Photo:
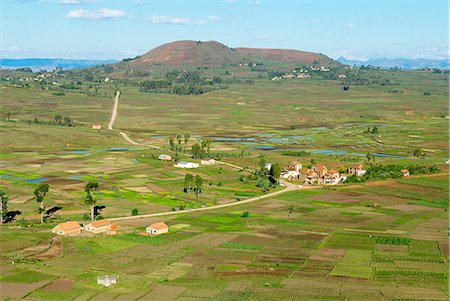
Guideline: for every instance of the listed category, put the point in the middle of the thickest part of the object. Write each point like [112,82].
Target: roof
[69,226]
[100,223]
[159,226]
[332,171]
[305,170]
[319,166]
[356,165]
[206,159]
[404,170]
[164,156]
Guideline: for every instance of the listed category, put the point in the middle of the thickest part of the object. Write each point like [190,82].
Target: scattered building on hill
[67,228]
[157,229]
[101,226]
[207,161]
[165,157]
[356,169]
[96,126]
[405,172]
[186,165]
[107,280]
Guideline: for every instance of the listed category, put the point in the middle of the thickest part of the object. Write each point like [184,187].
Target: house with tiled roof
[157,229]
[101,226]
[67,228]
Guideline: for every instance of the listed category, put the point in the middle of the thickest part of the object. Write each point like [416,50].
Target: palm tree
[90,200]
[39,194]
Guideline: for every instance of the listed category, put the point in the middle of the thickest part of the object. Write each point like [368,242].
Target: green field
[383,239]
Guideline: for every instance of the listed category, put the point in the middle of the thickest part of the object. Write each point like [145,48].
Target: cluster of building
[319,174]
[183,164]
[102,226]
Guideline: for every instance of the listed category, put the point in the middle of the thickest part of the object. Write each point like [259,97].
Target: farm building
[356,169]
[101,226]
[107,280]
[165,157]
[405,172]
[67,228]
[186,165]
[96,126]
[208,161]
[319,174]
[157,228]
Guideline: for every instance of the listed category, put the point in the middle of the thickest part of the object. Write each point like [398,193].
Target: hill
[403,63]
[192,54]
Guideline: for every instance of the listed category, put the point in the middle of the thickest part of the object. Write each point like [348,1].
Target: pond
[328,152]
[38,180]
[389,156]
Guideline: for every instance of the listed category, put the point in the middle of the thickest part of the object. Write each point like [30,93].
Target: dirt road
[114,111]
[289,187]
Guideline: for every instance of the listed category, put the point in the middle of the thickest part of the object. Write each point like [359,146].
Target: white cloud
[351,25]
[313,20]
[162,19]
[103,13]
[69,2]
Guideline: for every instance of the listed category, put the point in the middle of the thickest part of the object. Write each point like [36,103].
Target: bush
[135,211]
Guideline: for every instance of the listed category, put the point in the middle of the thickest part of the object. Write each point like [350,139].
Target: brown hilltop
[191,54]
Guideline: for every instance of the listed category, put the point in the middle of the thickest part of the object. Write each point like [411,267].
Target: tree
[90,200]
[39,194]
[3,205]
[179,139]
[374,130]
[67,120]
[135,211]
[370,157]
[198,185]
[197,151]
[186,138]
[245,214]
[275,171]
[58,118]
[171,144]
[188,179]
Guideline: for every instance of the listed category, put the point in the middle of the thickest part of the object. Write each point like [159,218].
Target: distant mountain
[191,54]
[404,63]
[50,64]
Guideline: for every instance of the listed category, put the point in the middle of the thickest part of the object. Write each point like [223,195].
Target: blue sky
[99,29]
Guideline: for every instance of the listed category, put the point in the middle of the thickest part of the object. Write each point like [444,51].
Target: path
[113,120]
[289,187]
[114,111]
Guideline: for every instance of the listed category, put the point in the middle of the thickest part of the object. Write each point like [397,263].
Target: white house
[207,161]
[186,165]
[107,280]
[165,157]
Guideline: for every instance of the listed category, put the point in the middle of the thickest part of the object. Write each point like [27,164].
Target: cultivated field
[377,240]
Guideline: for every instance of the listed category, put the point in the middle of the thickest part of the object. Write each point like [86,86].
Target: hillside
[192,54]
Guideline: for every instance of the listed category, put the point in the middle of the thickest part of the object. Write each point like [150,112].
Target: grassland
[327,243]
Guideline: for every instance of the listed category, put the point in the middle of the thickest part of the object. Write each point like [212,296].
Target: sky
[117,29]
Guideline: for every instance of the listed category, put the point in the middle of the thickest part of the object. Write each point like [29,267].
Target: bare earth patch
[60,285]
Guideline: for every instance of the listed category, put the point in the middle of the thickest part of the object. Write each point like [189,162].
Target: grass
[355,264]
[239,246]
[26,276]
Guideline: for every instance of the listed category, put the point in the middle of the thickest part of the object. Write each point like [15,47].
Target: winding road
[288,187]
